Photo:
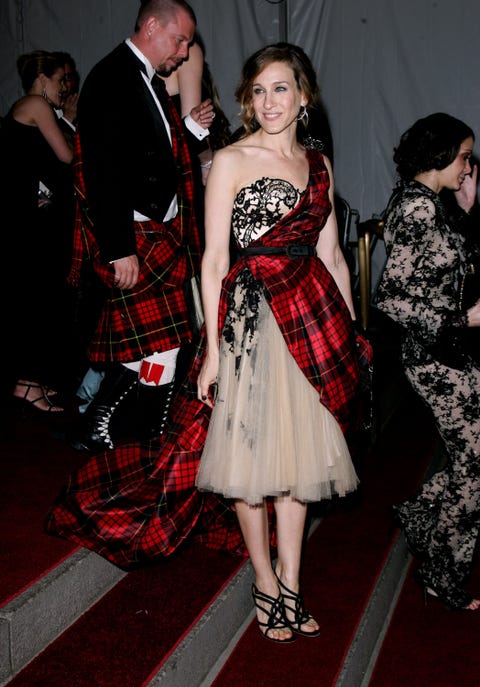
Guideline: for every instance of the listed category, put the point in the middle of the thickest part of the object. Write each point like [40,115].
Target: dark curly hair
[292,55]
[431,143]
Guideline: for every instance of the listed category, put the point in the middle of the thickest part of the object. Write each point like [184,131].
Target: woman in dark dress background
[37,201]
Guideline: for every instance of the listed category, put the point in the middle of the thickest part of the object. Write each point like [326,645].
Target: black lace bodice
[258,206]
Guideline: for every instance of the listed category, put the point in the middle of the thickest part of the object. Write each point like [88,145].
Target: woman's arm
[330,252]
[219,196]
[190,79]
[187,80]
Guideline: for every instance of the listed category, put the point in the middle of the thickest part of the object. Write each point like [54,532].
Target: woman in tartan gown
[286,368]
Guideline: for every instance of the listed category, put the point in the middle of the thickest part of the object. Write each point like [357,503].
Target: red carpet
[428,645]
[33,467]
[129,632]
[343,559]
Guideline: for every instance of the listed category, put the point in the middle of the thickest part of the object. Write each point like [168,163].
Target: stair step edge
[37,616]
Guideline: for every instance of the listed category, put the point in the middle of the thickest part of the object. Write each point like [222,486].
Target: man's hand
[126,272]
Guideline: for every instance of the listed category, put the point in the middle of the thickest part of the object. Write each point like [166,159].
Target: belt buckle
[298,251]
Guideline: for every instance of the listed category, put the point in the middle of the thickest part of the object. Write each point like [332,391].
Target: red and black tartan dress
[287,342]
[288,367]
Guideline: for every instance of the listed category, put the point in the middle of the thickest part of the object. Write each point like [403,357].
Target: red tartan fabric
[139,502]
[154,315]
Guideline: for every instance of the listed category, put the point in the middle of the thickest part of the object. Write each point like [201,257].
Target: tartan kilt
[154,316]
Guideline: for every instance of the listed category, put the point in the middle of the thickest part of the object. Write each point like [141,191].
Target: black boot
[153,406]
[118,383]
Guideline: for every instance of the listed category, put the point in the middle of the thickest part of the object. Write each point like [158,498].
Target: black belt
[294,250]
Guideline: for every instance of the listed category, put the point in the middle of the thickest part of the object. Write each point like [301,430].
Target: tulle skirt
[269,435]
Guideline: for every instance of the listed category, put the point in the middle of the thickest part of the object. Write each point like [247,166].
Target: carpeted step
[129,633]
[46,583]
[428,645]
[36,616]
[36,461]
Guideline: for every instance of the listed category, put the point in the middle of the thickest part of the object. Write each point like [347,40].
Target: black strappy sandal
[301,615]
[36,402]
[276,615]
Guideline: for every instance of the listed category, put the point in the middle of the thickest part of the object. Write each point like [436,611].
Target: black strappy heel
[36,402]
[301,615]
[275,611]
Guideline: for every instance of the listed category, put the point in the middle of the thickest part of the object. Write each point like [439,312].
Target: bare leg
[254,525]
[291,516]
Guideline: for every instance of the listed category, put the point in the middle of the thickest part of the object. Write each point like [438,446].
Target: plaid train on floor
[139,502]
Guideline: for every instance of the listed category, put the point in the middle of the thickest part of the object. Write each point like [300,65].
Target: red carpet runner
[429,646]
[121,640]
[33,467]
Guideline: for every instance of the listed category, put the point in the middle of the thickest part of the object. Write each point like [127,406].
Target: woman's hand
[207,378]
[69,107]
[467,193]
[203,114]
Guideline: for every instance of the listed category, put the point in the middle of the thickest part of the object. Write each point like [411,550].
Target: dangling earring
[303,114]
[44,94]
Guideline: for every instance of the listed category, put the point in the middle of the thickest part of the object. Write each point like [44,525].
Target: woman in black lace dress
[421,289]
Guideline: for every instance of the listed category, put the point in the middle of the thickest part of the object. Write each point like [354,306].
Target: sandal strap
[275,610]
[34,401]
[301,615]
[30,385]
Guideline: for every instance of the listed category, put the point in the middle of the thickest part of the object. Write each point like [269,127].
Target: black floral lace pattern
[420,289]
[259,205]
[243,307]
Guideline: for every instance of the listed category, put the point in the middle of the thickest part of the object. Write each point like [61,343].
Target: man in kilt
[135,221]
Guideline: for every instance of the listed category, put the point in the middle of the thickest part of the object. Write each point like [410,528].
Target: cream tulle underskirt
[269,435]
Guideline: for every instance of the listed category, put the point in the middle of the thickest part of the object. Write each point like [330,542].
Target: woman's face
[276,99]
[452,177]
[54,87]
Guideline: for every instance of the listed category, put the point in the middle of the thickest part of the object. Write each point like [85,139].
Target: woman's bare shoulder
[31,107]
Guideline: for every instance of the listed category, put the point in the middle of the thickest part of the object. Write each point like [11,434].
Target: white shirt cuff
[197,130]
